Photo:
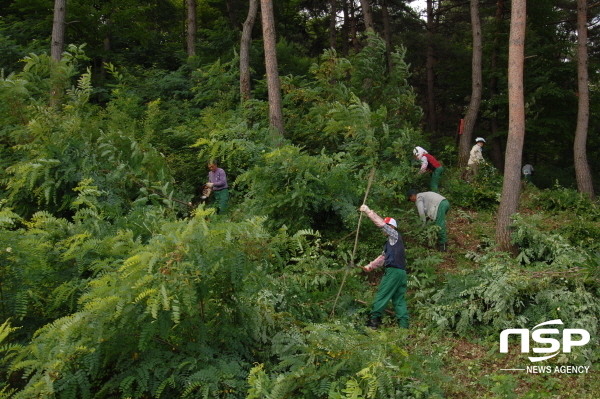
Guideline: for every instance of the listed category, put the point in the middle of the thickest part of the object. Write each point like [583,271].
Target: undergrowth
[117,285]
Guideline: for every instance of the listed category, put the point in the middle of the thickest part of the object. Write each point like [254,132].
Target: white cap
[391,221]
[418,151]
[478,139]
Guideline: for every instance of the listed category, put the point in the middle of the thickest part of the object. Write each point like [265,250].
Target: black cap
[410,193]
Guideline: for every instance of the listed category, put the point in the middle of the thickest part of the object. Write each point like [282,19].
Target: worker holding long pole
[351,265]
[394,281]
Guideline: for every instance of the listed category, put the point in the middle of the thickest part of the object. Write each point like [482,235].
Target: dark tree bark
[387,34]
[582,167]
[430,62]
[273,86]
[471,117]
[497,156]
[354,27]
[367,15]
[332,24]
[106,50]
[57,45]
[232,11]
[511,188]
[59,24]
[246,42]
[192,28]
[345,28]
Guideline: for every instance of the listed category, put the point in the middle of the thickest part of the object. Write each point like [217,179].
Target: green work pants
[435,179]
[440,220]
[392,286]
[221,197]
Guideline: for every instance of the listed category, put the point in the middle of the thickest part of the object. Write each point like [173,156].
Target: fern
[323,358]
[137,307]
[500,295]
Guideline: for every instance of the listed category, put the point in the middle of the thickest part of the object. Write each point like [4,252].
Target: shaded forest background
[117,280]
[150,41]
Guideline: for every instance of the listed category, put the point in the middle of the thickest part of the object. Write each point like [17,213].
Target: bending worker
[429,163]
[432,206]
[527,172]
[393,282]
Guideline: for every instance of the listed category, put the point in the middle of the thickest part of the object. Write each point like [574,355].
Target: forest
[119,279]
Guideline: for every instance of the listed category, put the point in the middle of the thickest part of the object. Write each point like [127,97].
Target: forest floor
[477,371]
[474,365]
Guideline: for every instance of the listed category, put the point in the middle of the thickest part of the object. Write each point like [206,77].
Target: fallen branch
[575,270]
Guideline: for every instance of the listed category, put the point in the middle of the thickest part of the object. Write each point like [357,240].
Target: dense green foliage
[118,281]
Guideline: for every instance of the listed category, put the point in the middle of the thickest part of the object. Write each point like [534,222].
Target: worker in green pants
[393,283]
[432,206]
[429,164]
[217,181]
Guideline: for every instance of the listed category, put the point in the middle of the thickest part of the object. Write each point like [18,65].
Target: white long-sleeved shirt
[475,156]
[427,204]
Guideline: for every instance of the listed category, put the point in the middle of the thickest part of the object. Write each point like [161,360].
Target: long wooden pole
[351,265]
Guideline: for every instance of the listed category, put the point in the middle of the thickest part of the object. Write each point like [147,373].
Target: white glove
[209,185]
[364,208]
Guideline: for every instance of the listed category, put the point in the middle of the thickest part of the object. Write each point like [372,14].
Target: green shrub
[536,245]
[502,294]
[154,319]
[483,192]
[560,199]
[582,232]
[354,104]
[337,361]
[299,190]
[421,268]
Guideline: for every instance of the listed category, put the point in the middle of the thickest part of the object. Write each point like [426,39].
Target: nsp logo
[538,336]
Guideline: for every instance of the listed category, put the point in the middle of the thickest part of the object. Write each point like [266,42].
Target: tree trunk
[232,12]
[245,44]
[496,153]
[57,45]
[345,28]
[387,34]
[582,167]
[431,112]
[471,117]
[58,29]
[192,28]
[353,27]
[511,188]
[273,86]
[497,156]
[332,24]
[105,50]
[367,15]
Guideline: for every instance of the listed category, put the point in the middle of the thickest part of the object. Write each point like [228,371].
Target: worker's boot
[374,323]
[443,248]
